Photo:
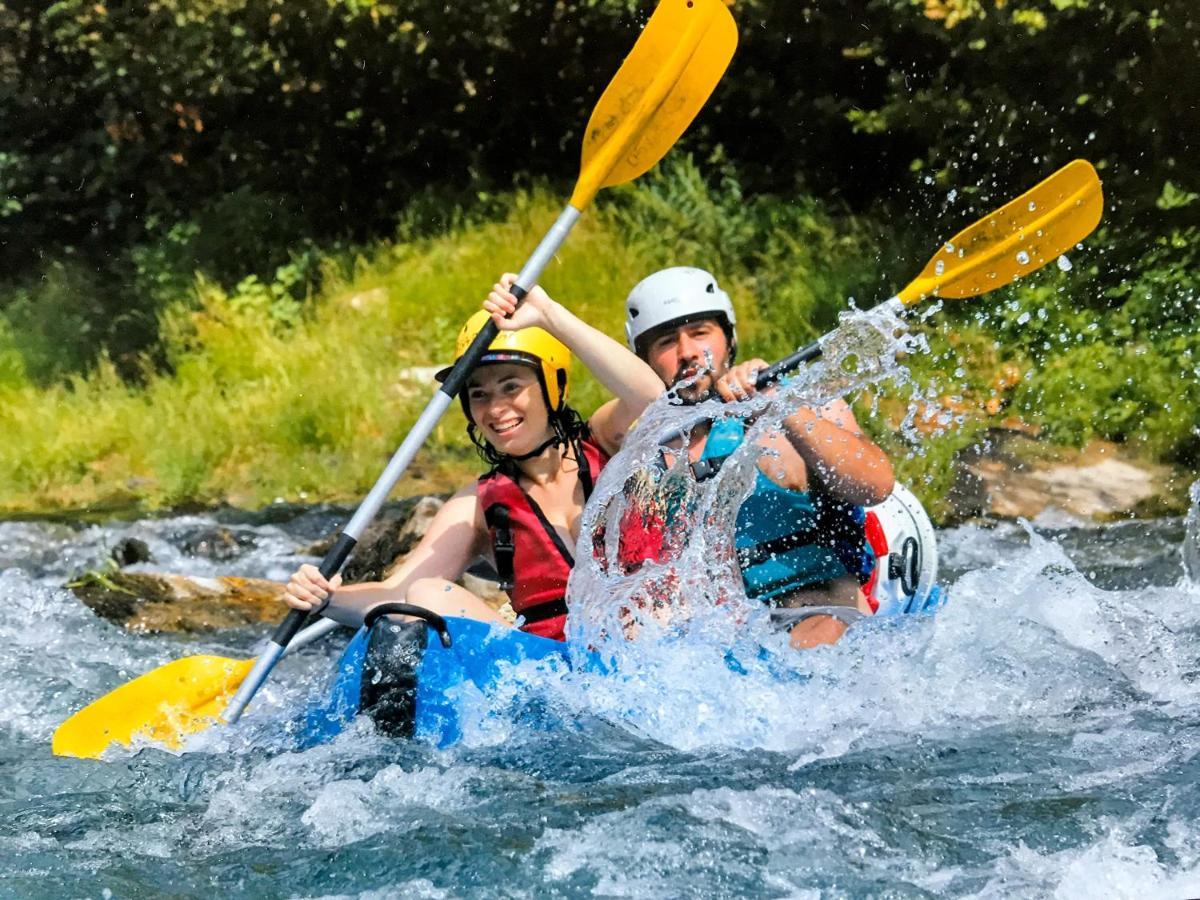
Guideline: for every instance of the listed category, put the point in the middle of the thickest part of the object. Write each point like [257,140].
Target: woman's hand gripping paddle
[1015,240]
[676,62]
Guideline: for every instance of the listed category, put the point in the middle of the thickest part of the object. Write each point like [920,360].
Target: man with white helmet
[799,533]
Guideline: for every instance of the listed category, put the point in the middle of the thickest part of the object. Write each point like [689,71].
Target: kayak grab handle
[430,618]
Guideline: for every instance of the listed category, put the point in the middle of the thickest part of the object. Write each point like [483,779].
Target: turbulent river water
[1037,737]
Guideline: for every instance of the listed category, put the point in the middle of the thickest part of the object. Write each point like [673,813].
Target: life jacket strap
[757,554]
[704,469]
[504,549]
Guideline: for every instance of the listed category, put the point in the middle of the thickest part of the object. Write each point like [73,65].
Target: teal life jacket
[787,540]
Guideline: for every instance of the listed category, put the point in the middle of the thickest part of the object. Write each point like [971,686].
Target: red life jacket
[532,559]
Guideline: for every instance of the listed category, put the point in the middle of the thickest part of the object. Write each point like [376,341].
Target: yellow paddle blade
[671,70]
[1016,239]
[163,706]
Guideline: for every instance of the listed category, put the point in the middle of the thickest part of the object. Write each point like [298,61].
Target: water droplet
[949,248]
[939,268]
[1023,258]
[1064,264]
[1023,318]
[1032,206]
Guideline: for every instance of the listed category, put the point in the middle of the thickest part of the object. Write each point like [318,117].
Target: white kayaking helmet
[676,296]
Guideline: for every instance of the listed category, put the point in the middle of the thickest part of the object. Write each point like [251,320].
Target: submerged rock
[216,542]
[130,550]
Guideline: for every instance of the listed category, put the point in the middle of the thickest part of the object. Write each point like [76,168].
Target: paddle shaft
[413,441]
[789,364]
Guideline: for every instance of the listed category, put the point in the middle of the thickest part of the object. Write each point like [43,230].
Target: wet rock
[386,541]
[391,554]
[967,497]
[1012,475]
[129,550]
[152,603]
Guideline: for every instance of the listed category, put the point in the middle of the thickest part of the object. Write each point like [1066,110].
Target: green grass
[253,394]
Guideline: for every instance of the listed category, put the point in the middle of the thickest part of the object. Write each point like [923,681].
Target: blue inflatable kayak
[409,675]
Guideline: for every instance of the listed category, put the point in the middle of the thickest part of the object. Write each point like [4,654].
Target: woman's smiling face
[507,405]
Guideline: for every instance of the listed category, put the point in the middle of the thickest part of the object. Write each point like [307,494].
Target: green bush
[59,322]
[228,236]
[1130,372]
[12,360]
[122,120]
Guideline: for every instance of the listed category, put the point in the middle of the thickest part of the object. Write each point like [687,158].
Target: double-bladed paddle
[672,69]
[1006,244]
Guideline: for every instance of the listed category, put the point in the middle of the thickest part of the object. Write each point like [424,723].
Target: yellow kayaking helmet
[533,347]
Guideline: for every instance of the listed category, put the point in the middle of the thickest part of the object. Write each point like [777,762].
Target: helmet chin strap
[553,441]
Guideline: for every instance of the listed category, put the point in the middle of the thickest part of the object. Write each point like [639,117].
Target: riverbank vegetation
[230,229]
[262,395]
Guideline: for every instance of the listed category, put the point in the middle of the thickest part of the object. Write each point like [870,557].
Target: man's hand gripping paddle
[1015,240]
[680,56]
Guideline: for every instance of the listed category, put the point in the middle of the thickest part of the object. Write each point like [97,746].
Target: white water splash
[1111,868]
[694,588]
[351,810]
[1028,640]
[1191,541]
[54,644]
[944,756]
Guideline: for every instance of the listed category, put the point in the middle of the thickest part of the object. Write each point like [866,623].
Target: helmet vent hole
[633,312]
[712,287]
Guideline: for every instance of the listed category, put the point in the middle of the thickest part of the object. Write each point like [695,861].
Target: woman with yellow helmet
[525,511]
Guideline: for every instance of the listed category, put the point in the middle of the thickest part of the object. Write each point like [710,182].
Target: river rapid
[1036,737]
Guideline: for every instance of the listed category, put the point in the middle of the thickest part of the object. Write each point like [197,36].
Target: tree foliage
[144,142]
[116,113]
